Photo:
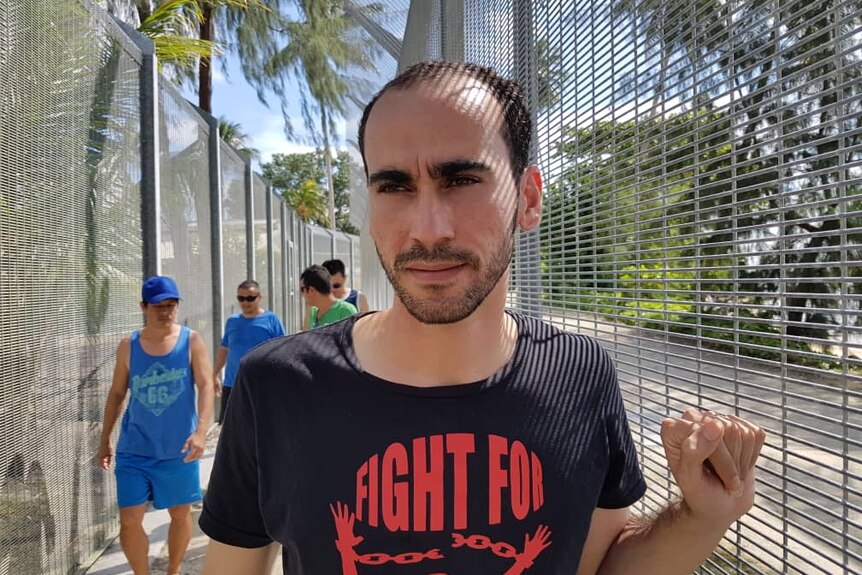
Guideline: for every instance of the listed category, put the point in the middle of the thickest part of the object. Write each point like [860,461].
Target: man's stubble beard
[455,309]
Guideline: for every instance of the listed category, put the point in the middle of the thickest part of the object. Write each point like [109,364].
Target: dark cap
[159,288]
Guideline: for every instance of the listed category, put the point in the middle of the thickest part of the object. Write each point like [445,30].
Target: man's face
[161,314]
[443,202]
[339,285]
[306,293]
[248,299]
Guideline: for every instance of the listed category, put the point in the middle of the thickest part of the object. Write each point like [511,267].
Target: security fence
[703,191]
[107,175]
[703,169]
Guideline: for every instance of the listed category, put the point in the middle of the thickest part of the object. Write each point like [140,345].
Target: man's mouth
[435,273]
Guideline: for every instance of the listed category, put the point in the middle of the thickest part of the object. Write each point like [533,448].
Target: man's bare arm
[203,380]
[114,402]
[220,362]
[680,537]
[224,559]
[202,369]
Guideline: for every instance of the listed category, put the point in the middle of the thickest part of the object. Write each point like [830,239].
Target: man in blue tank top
[354,297]
[163,431]
[251,326]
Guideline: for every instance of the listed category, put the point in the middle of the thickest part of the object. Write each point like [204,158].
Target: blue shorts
[165,482]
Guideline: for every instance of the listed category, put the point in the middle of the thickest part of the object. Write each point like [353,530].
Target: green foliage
[302,179]
[320,51]
[693,223]
[173,27]
[233,135]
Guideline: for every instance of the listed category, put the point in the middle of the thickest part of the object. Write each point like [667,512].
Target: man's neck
[157,333]
[395,346]
[255,313]
[324,304]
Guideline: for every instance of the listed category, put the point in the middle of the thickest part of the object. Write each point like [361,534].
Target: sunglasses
[304,289]
[247,297]
[336,286]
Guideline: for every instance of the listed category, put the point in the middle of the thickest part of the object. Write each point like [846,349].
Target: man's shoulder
[296,349]
[559,340]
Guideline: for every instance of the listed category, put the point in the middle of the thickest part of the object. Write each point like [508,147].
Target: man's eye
[390,188]
[459,181]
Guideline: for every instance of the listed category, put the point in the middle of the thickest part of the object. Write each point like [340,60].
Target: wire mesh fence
[703,166]
[703,170]
[89,205]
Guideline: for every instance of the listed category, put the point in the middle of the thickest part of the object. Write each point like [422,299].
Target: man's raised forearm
[671,542]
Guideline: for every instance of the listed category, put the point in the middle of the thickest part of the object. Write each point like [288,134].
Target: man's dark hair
[517,127]
[317,277]
[249,284]
[335,267]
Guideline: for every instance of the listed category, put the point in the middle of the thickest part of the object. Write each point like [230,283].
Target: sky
[237,101]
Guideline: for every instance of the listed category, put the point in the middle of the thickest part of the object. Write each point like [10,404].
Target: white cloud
[219,78]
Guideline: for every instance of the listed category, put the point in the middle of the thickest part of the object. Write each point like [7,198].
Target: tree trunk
[205,74]
[144,10]
[324,120]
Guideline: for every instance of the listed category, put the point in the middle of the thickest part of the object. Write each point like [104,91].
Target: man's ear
[530,199]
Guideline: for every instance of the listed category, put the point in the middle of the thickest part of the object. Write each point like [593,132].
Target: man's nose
[432,220]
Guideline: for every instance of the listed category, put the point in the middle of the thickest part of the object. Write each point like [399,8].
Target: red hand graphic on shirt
[347,540]
[532,549]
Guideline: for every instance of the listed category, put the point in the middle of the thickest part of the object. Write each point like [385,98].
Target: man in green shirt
[324,308]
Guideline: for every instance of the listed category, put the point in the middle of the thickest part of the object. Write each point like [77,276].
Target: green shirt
[340,309]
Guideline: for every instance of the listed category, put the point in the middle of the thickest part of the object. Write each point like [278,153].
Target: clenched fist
[712,457]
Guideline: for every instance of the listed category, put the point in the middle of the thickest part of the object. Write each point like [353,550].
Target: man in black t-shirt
[446,435]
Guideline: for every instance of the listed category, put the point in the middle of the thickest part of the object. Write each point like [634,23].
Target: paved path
[113,562]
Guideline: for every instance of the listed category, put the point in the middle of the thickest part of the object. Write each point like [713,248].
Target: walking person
[315,284]
[251,326]
[340,289]
[163,431]
[447,434]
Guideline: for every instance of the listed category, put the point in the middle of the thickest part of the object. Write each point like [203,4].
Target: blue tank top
[162,410]
[353,298]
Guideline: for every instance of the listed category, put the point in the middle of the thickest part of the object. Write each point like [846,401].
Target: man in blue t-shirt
[244,330]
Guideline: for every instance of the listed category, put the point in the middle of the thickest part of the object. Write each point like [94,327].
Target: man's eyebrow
[455,167]
[441,170]
[394,176]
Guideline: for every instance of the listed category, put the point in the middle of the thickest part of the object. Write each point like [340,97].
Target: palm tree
[308,201]
[233,135]
[182,31]
[209,12]
[318,54]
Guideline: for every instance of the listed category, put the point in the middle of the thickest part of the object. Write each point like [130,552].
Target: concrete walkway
[156,522]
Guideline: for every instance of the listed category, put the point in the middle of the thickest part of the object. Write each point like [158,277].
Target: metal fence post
[527,280]
[249,220]
[151,226]
[270,264]
[217,250]
[452,30]
[282,213]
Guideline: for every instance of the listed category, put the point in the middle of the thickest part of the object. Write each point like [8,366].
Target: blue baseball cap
[159,288]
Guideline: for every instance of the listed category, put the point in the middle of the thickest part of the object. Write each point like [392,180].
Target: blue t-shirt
[243,333]
[162,410]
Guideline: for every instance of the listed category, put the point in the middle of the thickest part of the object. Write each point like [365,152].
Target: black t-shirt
[355,475]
